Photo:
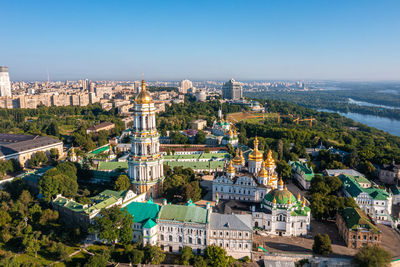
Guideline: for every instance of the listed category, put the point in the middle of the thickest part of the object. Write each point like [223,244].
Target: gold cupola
[269,162]
[256,155]
[143,97]
[237,160]
[263,172]
[230,168]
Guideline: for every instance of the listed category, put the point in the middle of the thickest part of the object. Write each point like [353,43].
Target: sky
[201,40]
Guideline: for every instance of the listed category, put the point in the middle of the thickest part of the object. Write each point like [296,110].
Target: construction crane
[311,119]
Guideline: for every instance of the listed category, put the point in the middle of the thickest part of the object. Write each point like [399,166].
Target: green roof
[149,224]
[356,220]
[143,211]
[301,167]
[395,190]
[112,165]
[181,213]
[281,196]
[100,201]
[100,150]
[354,188]
[361,179]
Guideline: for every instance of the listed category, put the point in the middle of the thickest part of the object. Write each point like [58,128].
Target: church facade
[246,181]
[145,162]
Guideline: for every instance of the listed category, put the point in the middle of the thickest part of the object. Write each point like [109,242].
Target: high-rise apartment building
[232,90]
[5,85]
[185,86]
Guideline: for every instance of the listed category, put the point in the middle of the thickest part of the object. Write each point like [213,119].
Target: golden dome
[273,177]
[274,201]
[237,160]
[143,97]
[280,182]
[263,172]
[270,162]
[256,155]
[230,168]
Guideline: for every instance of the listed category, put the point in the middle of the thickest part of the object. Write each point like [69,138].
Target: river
[388,125]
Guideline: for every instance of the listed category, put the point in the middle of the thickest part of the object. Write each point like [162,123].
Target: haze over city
[172,40]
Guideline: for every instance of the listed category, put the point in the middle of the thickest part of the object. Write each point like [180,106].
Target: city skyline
[261,40]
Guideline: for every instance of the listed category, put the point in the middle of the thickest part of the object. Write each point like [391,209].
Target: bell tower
[145,164]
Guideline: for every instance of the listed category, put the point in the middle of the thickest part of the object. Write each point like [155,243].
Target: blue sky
[172,40]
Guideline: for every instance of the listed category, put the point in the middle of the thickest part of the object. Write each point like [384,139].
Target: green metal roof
[395,190]
[356,220]
[100,150]
[361,179]
[301,167]
[149,224]
[181,213]
[143,211]
[354,188]
[281,196]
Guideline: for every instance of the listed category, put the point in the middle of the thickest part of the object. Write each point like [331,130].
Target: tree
[122,183]
[186,256]
[48,215]
[199,261]
[60,251]
[5,218]
[153,254]
[37,159]
[32,243]
[54,154]
[200,137]
[372,256]
[136,256]
[52,129]
[25,198]
[113,224]
[216,256]
[97,261]
[283,169]
[322,244]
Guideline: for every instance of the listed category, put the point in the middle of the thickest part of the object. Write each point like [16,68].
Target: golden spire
[285,188]
[274,201]
[237,160]
[143,97]
[303,203]
[230,168]
[256,155]
[290,201]
[263,172]
[298,197]
[280,182]
[270,162]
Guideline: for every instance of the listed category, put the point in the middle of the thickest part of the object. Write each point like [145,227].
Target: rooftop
[101,125]
[16,143]
[183,213]
[354,188]
[143,211]
[357,220]
[230,221]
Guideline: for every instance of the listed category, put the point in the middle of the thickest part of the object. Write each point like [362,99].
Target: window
[190,240]
[170,238]
[199,241]
[162,237]
[180,239]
